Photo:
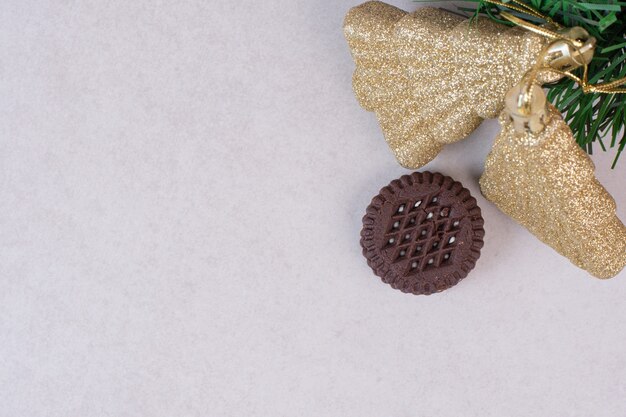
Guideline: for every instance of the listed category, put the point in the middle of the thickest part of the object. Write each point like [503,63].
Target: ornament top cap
[573,50]
[527,107]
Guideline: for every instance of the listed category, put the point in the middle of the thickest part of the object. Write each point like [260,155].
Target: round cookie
[423,233]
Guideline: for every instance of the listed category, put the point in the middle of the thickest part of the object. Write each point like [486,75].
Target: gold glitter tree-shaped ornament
[431,76]
[539,176]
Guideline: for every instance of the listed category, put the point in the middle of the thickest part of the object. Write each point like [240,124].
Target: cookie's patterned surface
[422,233]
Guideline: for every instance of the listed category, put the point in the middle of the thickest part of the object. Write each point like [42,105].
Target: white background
[181,192]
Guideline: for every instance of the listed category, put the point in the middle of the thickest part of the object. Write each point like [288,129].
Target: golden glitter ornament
[432,76]
[546,182]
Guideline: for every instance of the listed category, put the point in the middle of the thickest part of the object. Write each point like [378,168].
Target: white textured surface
[182,185]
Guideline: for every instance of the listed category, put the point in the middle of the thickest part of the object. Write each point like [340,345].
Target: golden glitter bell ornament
[431,76]
[539,176]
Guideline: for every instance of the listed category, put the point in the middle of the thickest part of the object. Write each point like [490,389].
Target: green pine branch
[594,118]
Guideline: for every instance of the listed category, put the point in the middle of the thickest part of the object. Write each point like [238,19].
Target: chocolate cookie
[423,233]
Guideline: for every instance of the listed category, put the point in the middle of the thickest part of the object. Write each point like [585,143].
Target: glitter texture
[430,76]
[546,182]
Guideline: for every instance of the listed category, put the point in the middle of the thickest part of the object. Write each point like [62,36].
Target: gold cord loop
[539,30]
